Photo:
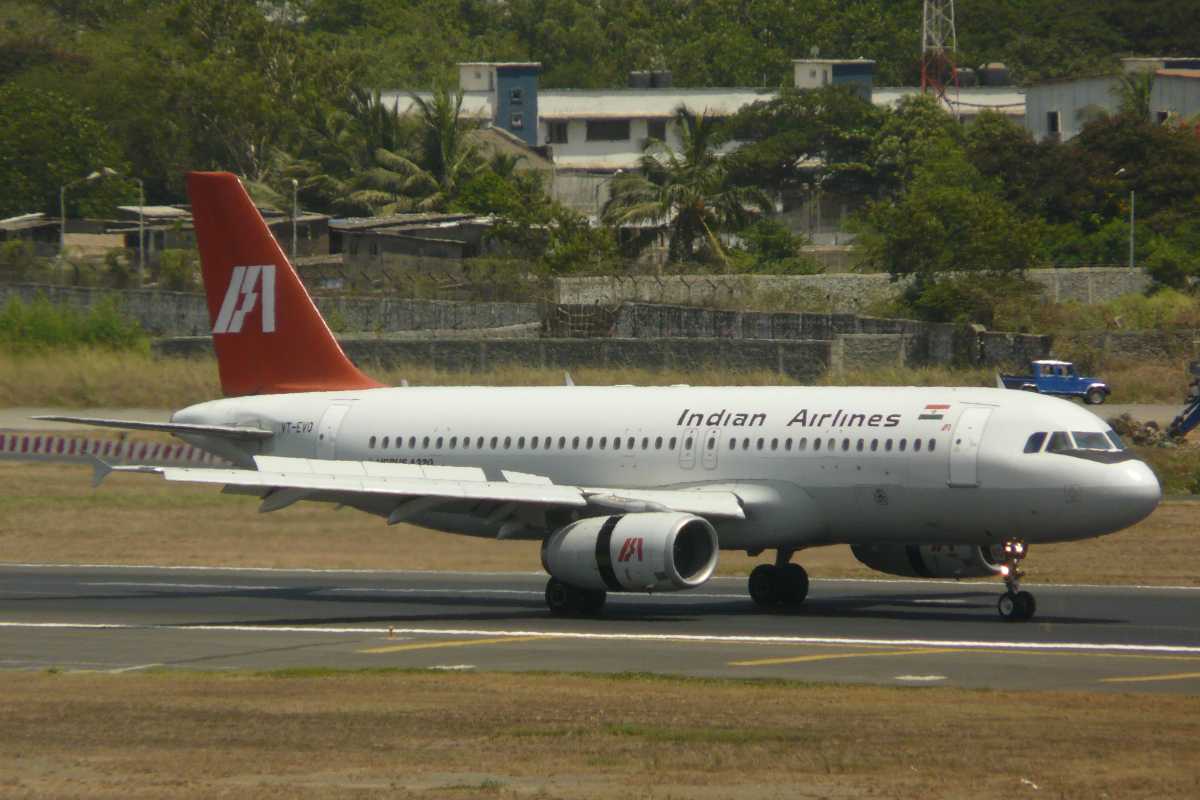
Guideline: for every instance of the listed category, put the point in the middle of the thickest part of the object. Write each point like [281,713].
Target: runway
[887,632]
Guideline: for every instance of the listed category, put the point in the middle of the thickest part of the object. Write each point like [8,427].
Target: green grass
[42,325]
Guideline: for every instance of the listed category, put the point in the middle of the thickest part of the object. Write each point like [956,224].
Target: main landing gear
[565,600]
[1015,605]
[779,585]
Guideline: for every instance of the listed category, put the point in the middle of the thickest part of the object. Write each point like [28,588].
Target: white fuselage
[813,465]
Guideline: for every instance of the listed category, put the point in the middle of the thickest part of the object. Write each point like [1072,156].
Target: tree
[916,131]
[1133,92]
[686,192]
[448,156]
[46,142]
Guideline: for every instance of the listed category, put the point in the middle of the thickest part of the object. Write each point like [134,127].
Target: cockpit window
[1060,442]
[1116,440]
[1088,440]
[1034,443]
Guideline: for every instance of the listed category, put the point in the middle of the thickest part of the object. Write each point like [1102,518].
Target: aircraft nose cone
[1134,495]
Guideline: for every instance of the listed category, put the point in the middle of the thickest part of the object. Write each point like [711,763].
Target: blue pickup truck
[1058,378]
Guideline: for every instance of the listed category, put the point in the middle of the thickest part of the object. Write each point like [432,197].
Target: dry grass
[397,734]
[103,378]
[49,513]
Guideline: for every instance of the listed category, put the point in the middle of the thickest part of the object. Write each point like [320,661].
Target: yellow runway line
[1178,676]
[766,662]
[401,648]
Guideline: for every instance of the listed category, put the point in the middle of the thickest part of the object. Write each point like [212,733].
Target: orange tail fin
[268,335]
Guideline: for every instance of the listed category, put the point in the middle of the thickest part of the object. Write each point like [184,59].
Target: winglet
[101,469]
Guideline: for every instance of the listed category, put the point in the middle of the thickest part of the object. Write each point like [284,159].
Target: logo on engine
[631,547]
[242,295]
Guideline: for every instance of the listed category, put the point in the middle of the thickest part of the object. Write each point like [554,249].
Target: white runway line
[972,644]
[539,573]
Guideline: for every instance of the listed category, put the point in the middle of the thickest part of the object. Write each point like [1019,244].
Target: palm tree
[448,158]
[1133,90]
[686,192]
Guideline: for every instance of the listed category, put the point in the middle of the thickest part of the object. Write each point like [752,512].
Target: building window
[556,133]
[517,121]
[608,130]
[1161,117]
[1052,123]
[657,129]
[516,96]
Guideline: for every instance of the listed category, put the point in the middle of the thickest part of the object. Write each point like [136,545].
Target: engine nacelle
[932,560]
[643,552]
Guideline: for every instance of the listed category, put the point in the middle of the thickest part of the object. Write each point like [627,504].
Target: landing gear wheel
[564,600]
[775,585]
[1094,397]
[1015,605]
[763,585]
[792,584]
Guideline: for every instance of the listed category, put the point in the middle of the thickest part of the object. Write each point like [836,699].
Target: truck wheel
[1094,396]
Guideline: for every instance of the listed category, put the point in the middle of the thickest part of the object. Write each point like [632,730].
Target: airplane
[637,489]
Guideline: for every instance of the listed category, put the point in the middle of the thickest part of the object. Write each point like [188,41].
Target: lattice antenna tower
[939,44]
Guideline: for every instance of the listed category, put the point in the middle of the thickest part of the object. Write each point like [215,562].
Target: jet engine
[932,560]
[642,552]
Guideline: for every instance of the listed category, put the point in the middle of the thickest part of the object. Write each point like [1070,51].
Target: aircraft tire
[792,584]
[565,600]
[1026,605]
[558,597]
[764,585]
[1017,607]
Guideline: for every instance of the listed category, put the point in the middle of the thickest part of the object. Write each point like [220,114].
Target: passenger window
[453,442]
[932,445]
[774,444]
[733,444]
[603,442]
[507,442]
[562,443]
[479,443]
[746,443]
[687,443]
[658,443]
[1060,442]
[903,445]
[575,443]
[712,443]
[816,444]
[629,443]
[845,445]
[549,443]
[803,443]
[1034,443]
[616,443]
[671,443]
[589,443]
[916,445]
[386,440]
[831,444]
[521,443]
[887,445]
[371,443]
[760,443]
[645,442]
[439,443]
[859,448]
[787,444]
[533,443]
[874,445]
[425,443]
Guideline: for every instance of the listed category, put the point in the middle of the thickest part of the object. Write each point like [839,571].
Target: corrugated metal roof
[1178,73]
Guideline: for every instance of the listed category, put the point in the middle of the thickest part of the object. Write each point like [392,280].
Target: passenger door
[327,431]
[964,447]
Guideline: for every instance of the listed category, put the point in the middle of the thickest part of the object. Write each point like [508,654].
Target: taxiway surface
[877,631]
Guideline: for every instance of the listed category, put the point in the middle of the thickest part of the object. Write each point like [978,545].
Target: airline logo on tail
[245,288]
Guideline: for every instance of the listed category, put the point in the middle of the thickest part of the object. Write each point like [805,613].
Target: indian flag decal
[934,411]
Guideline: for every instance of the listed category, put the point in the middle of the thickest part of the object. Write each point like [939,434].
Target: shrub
[41,325]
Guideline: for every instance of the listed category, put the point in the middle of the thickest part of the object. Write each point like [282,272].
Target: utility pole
[939,43]
[295,213]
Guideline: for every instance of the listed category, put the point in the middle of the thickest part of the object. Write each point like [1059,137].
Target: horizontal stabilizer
[226,431]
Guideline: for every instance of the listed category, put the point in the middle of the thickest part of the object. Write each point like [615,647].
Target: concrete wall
[844,292]
[802,360]
[186,314]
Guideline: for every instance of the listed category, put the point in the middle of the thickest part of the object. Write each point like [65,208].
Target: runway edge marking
[631,637]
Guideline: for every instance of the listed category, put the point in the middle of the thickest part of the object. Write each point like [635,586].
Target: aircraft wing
[227,431]
[283,481]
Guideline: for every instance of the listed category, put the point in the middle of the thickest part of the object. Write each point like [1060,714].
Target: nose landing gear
[1015,604]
